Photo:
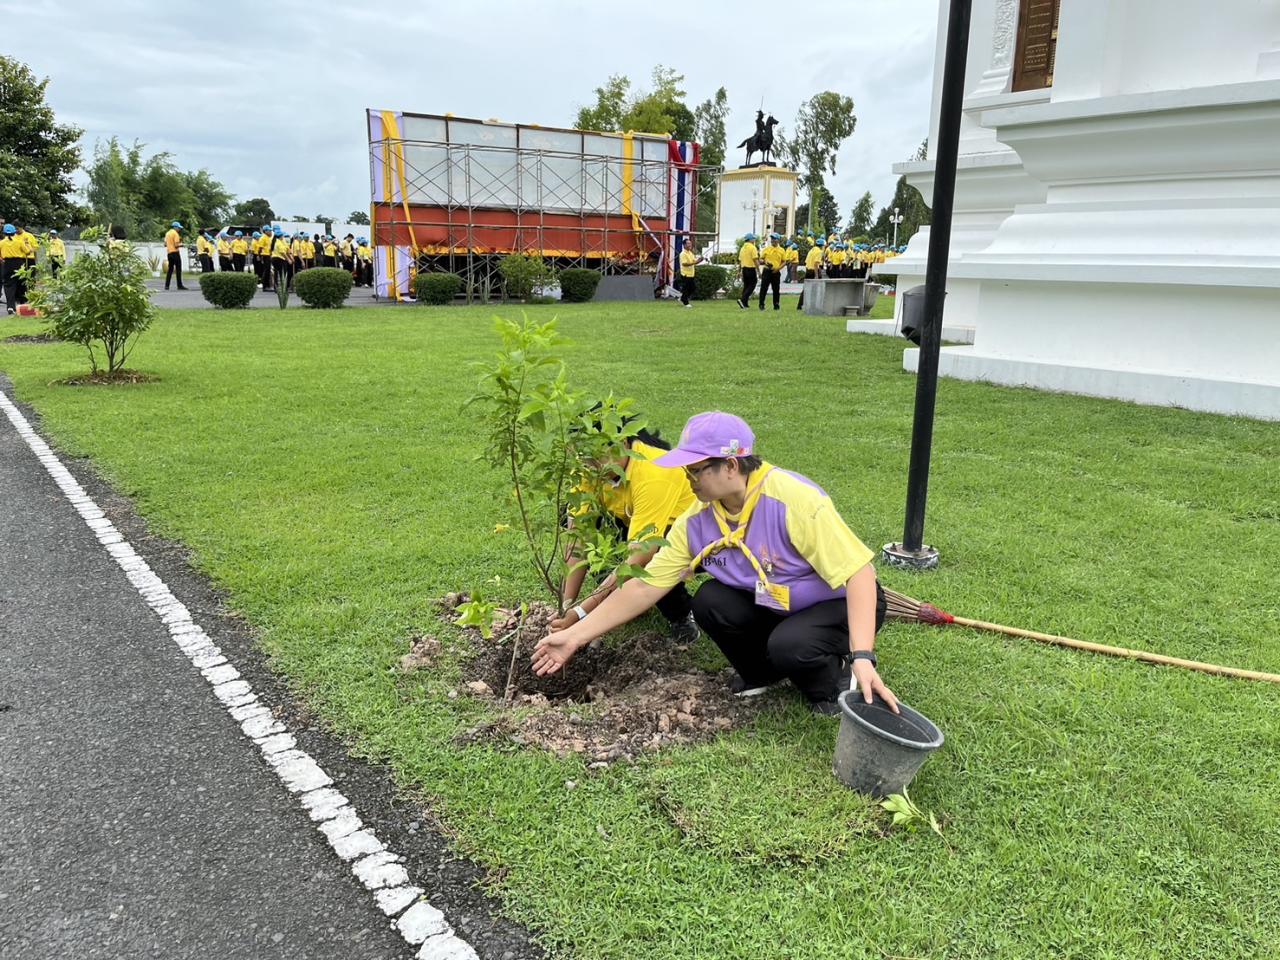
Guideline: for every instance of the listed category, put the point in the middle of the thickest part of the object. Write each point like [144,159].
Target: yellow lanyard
[736,538]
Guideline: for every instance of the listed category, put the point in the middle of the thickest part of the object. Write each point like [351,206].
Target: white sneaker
[688,306]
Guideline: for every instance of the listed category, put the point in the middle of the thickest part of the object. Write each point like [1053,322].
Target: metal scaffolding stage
[458,195]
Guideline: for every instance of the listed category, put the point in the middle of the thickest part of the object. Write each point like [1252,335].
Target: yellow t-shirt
[688,260]
[57,249]
[330,250]
[239,245]
[345,247]
[652,497]
[813,259]
[815,529]
[748,255]
[11,248]
[203,246]
[793,255]
[29,245]
[172,240]
[224,247]
[836,257]
[364,252]
[295,247]
[280,248]
[774,256]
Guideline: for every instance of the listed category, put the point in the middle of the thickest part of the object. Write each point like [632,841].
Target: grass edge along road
[318,467]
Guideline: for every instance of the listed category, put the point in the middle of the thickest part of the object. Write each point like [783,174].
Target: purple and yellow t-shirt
[803,545]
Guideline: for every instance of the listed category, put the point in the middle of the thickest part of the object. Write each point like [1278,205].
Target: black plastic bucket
[879,751]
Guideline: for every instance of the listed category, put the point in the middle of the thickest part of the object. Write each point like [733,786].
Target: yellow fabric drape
[393,165]
[628,179]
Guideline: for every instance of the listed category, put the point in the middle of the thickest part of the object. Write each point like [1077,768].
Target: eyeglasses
[693,473]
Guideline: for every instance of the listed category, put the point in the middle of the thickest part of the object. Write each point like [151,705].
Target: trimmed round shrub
[323,287]
[707,280]
[437,288]
[230,291]
[578,285]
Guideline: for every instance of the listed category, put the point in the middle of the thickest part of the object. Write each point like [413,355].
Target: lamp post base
[896,555]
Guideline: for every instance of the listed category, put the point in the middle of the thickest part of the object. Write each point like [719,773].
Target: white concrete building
[1117,214]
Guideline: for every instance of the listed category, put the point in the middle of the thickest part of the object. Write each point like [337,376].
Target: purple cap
[707,435]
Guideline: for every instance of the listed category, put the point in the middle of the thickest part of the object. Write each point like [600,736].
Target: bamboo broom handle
[1121,651]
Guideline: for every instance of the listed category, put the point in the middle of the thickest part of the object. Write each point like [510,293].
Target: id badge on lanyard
[776,596]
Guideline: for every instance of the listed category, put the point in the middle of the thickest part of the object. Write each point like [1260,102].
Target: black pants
[237,262]
[224,263]
[281,272]
[770,279]
[175,265]
[9,277]
[54,266]
[686,285]
[748,284]
[368,273]
[806,647]
[206,263]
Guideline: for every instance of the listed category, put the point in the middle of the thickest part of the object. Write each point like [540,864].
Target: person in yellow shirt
[346,253]
[774,256]
[812,266]
[11,257]
[645,502]
[748,261]
[224,252]
[56,251]
[312,244]
[204,252]
[792,261]
[688,272]
[239,251]
[836,258]
[281,262]
[173,251]
[330,252]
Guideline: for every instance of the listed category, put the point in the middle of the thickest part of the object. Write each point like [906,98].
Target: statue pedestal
[759,199]
[835,298]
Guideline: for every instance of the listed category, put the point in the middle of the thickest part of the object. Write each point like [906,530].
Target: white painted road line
[379,869]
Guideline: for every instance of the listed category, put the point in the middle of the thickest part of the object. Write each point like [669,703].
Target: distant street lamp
[895,220]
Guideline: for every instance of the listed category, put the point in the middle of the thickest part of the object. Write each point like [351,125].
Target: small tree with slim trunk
[559,450]
[99,300]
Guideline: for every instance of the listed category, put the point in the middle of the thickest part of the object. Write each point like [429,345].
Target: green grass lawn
[319,467]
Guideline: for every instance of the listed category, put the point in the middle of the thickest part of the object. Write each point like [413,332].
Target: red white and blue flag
[683,203]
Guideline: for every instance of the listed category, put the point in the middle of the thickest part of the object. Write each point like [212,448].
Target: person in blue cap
[792,261]
[224,252]
[204,251]
[11,256]
[239,251]
[173,249]
[774,256]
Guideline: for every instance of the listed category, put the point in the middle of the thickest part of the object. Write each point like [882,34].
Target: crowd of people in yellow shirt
[832,257]
[273,253]
[18,250]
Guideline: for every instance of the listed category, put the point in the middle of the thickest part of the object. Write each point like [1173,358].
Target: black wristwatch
[863,655]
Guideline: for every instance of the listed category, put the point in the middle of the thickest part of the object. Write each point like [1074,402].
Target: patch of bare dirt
[423,652]
[33,338]
[100,377]
[609,703]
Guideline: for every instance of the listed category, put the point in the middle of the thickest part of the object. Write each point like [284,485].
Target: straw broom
[899,606]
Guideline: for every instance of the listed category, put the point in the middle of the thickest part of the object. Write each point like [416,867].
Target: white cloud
[270,97]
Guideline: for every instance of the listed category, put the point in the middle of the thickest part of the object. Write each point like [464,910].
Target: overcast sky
[270,96]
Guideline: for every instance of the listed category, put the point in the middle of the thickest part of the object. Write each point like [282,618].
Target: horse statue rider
[762,141]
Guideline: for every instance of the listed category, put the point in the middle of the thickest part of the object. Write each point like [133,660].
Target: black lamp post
[913,551]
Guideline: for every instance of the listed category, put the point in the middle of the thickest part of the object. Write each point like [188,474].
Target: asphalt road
[135,818]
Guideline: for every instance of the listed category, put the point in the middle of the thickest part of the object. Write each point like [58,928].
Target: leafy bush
[729,258]
[578,285]
[230,291]
[708,280]
[99,300]
[323,287]
[522,274]
[437,288]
